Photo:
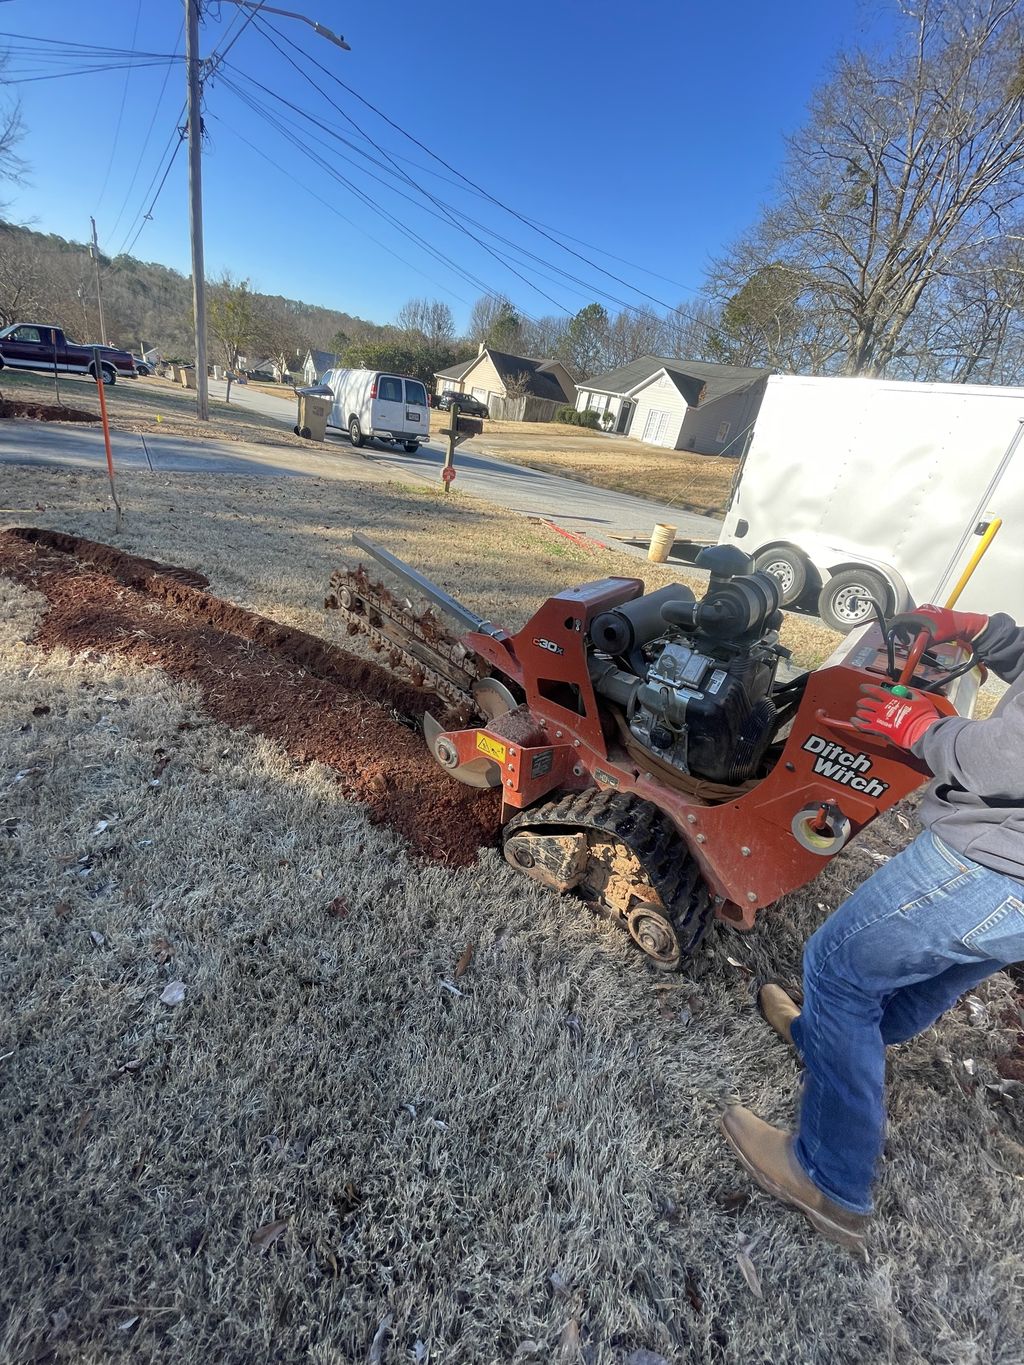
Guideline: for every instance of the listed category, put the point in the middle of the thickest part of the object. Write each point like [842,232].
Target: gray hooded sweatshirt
[976,803]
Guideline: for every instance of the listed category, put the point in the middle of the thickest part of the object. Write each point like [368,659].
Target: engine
[694,677]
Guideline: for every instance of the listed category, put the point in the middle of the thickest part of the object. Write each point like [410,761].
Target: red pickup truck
[40,346]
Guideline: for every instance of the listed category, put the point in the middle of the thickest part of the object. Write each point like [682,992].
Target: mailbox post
[461,429]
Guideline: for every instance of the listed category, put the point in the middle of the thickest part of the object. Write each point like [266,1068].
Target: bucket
[662,540]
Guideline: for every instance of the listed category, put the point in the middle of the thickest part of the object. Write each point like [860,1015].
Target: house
[518,387]
[680,404]
[317,363]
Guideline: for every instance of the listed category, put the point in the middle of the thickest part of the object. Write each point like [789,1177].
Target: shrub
[575,418]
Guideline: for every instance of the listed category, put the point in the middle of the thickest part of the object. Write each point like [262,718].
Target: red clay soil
[44,412]
[316,701]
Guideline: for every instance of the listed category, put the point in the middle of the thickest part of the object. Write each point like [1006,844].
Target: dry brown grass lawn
[322,1138]
[676,477]
[154,406]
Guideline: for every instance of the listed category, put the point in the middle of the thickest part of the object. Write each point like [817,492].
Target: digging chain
[671,876]
[417,643]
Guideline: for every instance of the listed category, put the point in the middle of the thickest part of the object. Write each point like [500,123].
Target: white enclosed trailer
[869,487]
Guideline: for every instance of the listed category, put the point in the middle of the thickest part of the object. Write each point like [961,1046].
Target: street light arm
[334,38]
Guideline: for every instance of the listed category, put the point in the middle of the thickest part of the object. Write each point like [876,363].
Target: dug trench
[320,703]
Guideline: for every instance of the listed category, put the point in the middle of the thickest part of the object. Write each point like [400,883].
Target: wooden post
[101,387]
[449,459]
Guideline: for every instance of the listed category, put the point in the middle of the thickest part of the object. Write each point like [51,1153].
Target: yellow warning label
[491,747]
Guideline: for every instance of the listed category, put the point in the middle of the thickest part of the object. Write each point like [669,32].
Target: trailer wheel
[789,567]
[842,602]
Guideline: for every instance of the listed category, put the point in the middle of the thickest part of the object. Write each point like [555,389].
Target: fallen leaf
[558,1285]
[376,1354]
[132,1065]
[97,938]
[439,1123]
[420,1351]
[645,1357]
[526,1348]
[40,710]
[162,950]
[62,909]
[268,1234]
[128,1323]
[83,1123]
[173,993]
[162,760]
[338,908]
[749,1272]
[450,987]
[462,966]
[569,1341]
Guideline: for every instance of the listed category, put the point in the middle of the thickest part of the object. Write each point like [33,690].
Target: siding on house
[482,379]
[721,427]
[661,398]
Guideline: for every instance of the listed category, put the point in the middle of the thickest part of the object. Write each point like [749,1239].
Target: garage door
[481,394]
[655,428]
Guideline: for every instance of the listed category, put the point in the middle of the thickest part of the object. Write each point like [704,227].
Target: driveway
[580,507]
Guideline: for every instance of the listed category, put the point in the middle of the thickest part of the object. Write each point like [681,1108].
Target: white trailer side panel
[888,474]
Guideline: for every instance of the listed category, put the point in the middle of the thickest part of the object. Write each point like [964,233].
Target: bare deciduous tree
[233,318]
[908,167]
[429,320]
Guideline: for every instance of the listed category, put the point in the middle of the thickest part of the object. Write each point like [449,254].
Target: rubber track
[649,833]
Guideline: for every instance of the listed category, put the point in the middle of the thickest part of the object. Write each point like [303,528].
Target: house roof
[699,381]
[543,381]
[322,360]
[456,371]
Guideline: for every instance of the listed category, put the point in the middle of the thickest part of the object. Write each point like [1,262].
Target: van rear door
[417,410]
[388,406]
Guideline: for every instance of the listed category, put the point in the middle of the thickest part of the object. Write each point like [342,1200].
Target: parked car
[467,403]
[373,405]
[261,376]
[41,346]
[142,367]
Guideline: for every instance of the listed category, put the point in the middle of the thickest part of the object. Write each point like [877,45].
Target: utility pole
[94,252]
[195,192]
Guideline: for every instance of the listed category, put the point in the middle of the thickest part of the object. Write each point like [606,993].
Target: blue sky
[651,130]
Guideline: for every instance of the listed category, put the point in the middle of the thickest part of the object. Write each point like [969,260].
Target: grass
[322,1138]
[679,478]
[152,406]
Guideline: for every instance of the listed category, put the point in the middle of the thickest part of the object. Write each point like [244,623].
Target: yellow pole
[975,559]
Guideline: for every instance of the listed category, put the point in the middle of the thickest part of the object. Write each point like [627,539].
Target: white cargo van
[873,487]
[374,405]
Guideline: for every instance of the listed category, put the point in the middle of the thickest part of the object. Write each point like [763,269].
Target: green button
[900,691]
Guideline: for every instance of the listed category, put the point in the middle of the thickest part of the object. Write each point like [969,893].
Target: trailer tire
[789,567]
[835,599]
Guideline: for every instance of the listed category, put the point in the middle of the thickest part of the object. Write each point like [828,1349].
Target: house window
[723,433]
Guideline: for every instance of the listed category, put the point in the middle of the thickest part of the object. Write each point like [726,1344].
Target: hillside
[43,275]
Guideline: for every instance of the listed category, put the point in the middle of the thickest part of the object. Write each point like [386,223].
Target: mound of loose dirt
[44,412]
[317,701]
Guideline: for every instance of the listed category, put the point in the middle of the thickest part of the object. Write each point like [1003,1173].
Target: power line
[264,26]
[333,208]
[120,112]
[700,322]
[145,141]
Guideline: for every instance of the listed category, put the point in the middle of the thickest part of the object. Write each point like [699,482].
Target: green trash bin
[313,414]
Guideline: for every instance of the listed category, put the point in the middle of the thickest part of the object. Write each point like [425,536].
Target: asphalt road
[576,506]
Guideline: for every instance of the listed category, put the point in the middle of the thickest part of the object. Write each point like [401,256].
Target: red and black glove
[943,625]
[900,720]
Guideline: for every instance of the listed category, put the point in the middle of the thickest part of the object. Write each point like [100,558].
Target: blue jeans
[924,929]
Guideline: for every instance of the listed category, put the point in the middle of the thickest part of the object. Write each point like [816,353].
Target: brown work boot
[778,1009]
[767,1154]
